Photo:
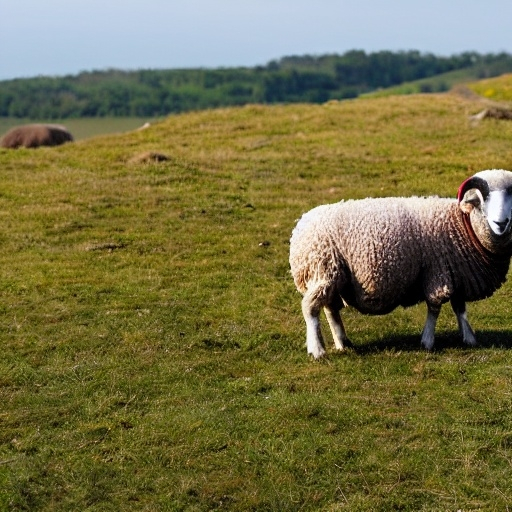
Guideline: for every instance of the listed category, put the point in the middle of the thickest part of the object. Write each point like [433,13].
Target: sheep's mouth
[500,228]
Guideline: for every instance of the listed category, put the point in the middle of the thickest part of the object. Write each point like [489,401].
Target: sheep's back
[373,249]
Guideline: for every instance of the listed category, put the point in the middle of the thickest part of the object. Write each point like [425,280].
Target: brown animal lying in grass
[35,135]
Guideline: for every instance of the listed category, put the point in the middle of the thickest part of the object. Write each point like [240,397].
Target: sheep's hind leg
[311,311]
[467,333]
[338,330]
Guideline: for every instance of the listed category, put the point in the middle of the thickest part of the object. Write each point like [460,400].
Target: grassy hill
[153,344]
[496,89]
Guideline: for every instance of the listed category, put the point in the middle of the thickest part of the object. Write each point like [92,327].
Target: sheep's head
[487,198]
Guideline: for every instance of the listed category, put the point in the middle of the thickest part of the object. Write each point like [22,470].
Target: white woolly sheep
[378,254]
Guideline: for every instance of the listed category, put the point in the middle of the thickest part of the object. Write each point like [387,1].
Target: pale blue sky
[59,37]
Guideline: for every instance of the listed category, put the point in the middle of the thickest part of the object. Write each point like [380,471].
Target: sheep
[35,135]
[381,253]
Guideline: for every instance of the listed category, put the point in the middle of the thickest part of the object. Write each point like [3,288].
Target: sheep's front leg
[338,330]
[311,312]
[467,333]
[427,336]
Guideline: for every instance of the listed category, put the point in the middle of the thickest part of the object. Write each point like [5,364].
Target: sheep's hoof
[427,342]
[346,347]
[470,341]
[318,354]
[347,344]
[342,345]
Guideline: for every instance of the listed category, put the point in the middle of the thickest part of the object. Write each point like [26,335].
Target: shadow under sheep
[444,340]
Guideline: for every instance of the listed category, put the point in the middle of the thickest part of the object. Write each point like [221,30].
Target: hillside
[152,341]
[496,89]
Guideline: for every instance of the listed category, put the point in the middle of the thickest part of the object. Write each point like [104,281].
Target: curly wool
[378,254]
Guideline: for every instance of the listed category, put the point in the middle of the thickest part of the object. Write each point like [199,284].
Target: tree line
[150,93]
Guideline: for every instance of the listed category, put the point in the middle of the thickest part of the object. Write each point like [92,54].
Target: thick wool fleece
[377,254]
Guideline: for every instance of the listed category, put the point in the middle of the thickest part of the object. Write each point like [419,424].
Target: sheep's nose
[502,224]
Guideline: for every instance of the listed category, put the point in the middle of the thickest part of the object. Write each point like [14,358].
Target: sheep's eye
[474,200]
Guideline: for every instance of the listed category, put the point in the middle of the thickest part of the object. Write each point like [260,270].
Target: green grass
[153,350]
[437,83]
[497,88]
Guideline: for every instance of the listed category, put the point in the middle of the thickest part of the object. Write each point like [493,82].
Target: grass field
[153,350]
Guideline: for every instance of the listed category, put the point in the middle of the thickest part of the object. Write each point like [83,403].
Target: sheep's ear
[472,193]
[472,199]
